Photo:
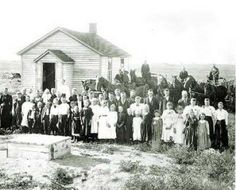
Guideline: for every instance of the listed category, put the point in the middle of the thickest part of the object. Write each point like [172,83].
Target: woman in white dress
[103,113]
[168,118]
[26,106]
[111,122]
[179,126]
[137,121]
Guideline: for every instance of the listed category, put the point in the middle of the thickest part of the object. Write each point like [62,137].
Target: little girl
[168,123]
[179,126]
[111,122]
[137,122]
[203,133]
[157,125]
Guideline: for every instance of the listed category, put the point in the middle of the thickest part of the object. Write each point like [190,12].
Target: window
[109,77]
[122,63]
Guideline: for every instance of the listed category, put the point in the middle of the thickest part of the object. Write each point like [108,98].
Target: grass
[80,161]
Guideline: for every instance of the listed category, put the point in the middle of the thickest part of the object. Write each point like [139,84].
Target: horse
[103,83]
[89,84]
[122,77]
[176,89]
[161,85]
[138,81]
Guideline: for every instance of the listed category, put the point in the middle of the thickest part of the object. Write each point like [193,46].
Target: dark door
[48,75]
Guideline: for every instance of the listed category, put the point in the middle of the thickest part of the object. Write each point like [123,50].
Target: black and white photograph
[117,95]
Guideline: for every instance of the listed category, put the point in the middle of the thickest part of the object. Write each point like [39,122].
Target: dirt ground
[96,165]
[92,166]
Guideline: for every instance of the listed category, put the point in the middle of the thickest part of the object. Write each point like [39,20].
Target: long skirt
[120,134]
[137,122]
[102,129]
[221,134]
[211,129]
[191,137]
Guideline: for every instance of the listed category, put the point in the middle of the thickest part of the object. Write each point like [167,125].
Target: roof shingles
[98,43]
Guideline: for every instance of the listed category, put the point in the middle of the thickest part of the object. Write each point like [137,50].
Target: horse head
[89,84]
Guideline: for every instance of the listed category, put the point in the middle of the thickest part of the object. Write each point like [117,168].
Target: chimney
[93,28]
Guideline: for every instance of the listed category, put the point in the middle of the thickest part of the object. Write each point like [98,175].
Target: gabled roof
[58,54]
[90,40]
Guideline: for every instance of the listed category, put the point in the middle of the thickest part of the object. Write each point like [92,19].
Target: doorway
[48,75]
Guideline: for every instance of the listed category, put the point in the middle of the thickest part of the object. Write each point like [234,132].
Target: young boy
[31,118]
[76,124]
[63,114]
[146,124]
[191,130]
[221,131]
[46,118]
[86,115]
[54,117]
[38,128]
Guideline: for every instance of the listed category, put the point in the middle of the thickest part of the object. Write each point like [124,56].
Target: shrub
[218,166]
[182,155]
[110,149]
[143,147]
[145,182]
[129,166]
[61,176]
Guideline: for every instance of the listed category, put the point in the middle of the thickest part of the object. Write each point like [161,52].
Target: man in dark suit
[153,105]
[111,100]
[152,102]
[6,108]
[123,102]
[166,98]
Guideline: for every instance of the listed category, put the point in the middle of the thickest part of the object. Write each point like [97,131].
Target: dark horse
[205,90]
[176,89]
[89,84]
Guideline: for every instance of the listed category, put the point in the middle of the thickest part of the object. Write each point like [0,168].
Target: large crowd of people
[114,117]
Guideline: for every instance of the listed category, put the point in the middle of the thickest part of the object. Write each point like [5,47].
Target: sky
[170,31]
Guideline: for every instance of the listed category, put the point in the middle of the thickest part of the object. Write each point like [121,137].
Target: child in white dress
[168,118]
[179,126]
[111,122]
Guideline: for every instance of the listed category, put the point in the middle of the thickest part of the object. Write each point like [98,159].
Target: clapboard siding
[85,60]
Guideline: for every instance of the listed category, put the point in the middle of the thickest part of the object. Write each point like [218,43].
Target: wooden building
[72,56]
